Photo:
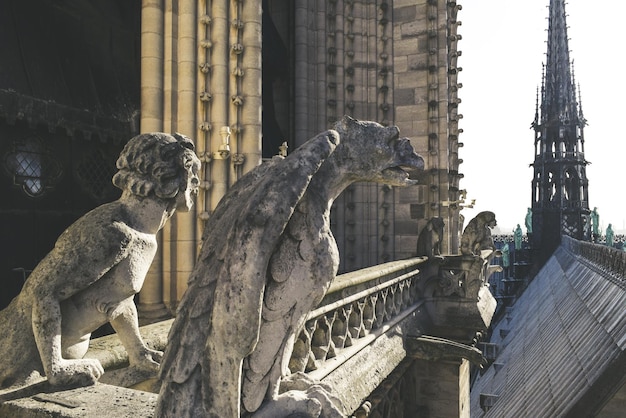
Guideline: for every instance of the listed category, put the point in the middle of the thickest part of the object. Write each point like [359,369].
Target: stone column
[301,112]
[152,65]
[151,305]
[183,225]
[251,85]
[170,11]
[220,102]
[442,388]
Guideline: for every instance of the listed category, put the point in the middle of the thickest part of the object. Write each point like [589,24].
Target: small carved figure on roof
[609,235]
[517,236]
[529,221]
[506,258]
[477,235]
[429,240]
[95,269]
[595,221]
[282,149]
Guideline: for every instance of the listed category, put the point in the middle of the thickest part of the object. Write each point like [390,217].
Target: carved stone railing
[356,306]
[609,260]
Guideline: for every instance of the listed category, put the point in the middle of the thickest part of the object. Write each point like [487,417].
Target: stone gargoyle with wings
[267,260]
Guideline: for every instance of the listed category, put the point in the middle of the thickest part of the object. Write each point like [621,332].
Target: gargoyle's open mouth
[398,171]
[406,161]
[398,176]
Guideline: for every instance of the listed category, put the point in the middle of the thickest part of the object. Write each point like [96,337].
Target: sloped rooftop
[561,346]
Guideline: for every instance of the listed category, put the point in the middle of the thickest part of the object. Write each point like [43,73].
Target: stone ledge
[41,401]
[356,376]
[353,377]
[111,353]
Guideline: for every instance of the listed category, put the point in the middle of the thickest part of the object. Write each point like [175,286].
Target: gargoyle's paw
[330,403]
[83,372]
[300,381]
[294,403]
[323,392]
[148,360]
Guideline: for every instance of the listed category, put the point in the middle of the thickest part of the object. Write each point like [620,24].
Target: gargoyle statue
[267,260]
[477,234]
[429,240]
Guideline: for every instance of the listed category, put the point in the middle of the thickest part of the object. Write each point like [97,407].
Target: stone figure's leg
[125,322]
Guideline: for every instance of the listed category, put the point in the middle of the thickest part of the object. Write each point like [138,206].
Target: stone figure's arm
[124,321]
[79,259]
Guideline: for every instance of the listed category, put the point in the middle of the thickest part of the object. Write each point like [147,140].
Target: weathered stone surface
[100,400]
[267,260]
[96,267]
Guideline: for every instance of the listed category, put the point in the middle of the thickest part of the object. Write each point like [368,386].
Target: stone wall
[426,110]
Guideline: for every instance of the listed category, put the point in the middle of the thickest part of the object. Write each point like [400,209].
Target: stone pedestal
[457,296]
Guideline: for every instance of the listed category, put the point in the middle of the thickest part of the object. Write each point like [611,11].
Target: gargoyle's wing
[220,311]
[300,271]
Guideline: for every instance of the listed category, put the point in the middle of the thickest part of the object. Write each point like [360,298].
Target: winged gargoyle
[268,258]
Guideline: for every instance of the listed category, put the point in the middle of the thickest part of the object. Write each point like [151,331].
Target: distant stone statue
[609,235]
[529,221]
[595,222]
[506,256]
[282,149]
[95,269]
[517,237]
[477,234]
[429,240]
[267,260]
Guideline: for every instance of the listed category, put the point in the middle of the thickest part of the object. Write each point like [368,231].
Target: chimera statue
[95,269]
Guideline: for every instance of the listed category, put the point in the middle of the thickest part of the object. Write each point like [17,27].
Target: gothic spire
[560,197]
[559,101]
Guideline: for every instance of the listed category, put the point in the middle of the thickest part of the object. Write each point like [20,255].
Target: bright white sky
[504,45]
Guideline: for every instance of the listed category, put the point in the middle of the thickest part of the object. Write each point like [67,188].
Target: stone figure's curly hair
[155,164]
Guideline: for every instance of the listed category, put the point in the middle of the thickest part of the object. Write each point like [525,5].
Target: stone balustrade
[356,304]
[608,259]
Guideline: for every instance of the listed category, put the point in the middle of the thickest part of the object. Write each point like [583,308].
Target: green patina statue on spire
[517,235]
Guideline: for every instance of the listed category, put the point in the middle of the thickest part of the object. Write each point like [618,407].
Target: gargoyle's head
[487,218]
[372,152]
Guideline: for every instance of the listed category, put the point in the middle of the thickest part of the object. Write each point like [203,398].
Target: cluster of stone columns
[200,76]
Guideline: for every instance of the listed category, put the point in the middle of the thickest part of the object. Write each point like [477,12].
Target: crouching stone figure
[95,269]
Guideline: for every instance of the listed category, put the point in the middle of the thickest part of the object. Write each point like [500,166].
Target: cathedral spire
[560,97]
[559,197]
